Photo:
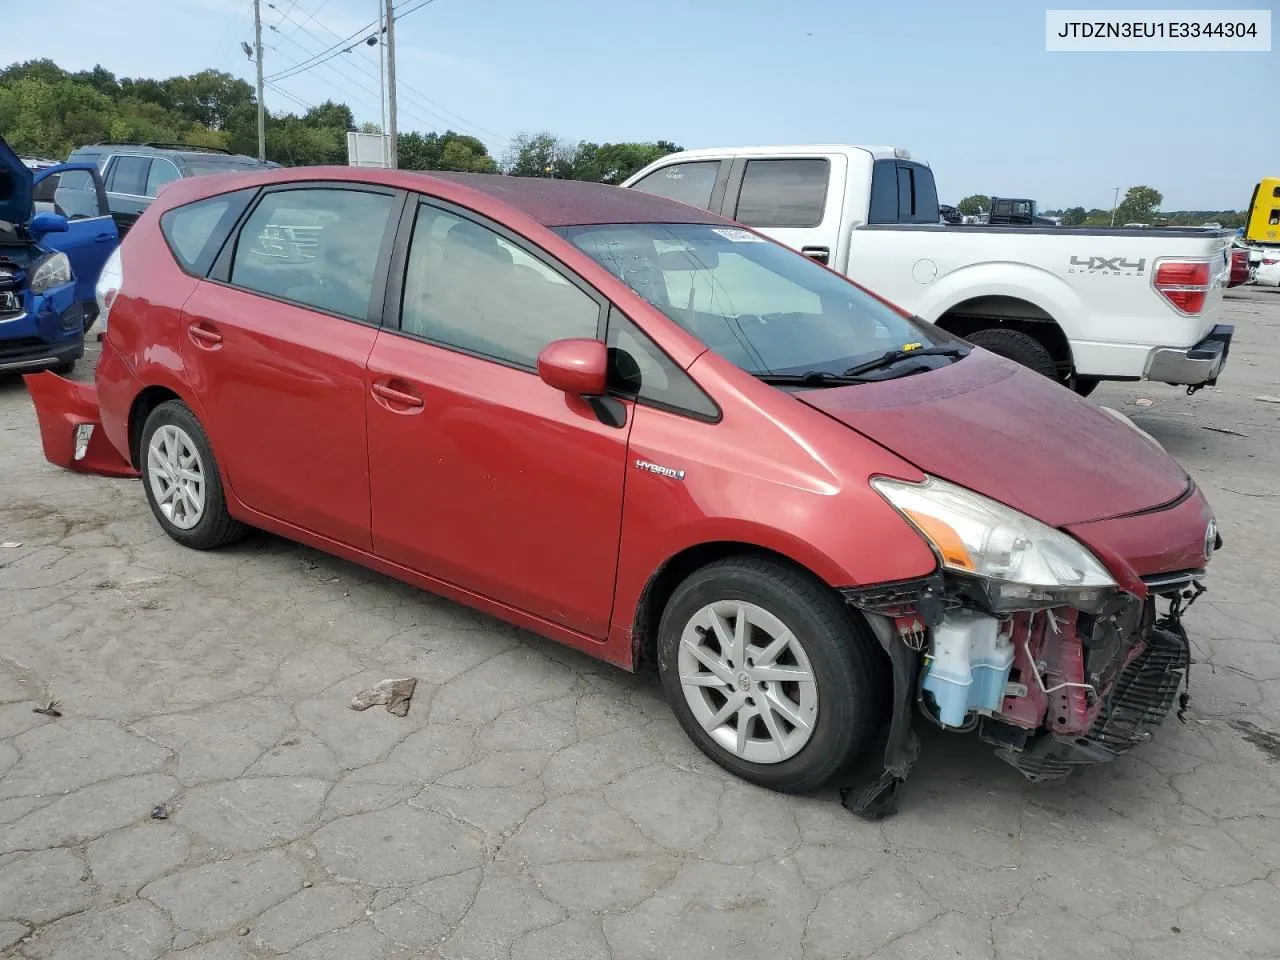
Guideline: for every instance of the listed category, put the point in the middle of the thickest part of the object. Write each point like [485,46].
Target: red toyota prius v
[648,432]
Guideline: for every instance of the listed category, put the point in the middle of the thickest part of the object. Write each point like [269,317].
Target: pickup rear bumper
[1197,366]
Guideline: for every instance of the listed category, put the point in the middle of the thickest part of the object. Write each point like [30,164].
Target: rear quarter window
[195,232]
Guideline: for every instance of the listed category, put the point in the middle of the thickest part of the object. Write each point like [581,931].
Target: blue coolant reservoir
[970,666]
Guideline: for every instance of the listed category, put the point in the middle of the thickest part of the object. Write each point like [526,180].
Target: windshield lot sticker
[738,236]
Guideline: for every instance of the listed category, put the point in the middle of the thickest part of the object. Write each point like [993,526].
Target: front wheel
[181,479]
[769,673]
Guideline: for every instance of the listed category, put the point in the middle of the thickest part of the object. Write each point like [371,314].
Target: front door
[78,194]
[480,474]
[275,345]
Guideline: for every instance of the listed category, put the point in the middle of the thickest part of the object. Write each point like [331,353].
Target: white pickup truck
[1075,303]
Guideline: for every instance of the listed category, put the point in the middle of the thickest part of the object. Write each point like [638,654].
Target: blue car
[49,266]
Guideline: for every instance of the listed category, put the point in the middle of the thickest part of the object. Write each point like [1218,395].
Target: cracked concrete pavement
[537,804]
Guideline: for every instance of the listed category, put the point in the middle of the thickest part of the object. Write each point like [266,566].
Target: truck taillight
[1184,283]
[110,280]
[1269,262]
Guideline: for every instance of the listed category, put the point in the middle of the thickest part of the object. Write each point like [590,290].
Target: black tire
[847,665]
[215,526]
[1016,346]
[1086,385]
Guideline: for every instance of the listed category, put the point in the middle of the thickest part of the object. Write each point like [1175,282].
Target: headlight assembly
[1024,562]
[53,271]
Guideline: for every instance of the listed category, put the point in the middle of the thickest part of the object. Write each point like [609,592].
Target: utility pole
[393,145]
[382,85]
[257,49]
[1115,202]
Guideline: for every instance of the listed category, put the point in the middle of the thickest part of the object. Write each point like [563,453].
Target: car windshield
[199,168]
[759,304]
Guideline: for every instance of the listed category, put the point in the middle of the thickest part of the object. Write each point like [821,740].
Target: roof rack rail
[160,145]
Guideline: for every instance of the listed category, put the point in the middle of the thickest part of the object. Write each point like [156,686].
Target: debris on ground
[159,813]
[1144,401]
[1266,399]
[396,694]
[1234,433]
[50,710]
[10,545]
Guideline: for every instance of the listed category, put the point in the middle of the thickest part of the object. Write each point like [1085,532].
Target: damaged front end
[71,426]
[1055,664]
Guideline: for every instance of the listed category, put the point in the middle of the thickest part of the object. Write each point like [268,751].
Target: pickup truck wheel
[769,673]
[1016,346]
[181,479]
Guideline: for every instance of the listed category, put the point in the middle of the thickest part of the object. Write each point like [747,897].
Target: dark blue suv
[50,260]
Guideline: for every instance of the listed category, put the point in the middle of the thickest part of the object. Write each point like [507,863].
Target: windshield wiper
[896,356]
[810,378]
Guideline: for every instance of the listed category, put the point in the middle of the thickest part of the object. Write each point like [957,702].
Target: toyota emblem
[1210,538]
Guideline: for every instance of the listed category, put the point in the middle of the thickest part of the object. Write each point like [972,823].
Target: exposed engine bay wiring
[1035,667]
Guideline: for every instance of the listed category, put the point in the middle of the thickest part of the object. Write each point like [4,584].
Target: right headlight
[1026,562]
[53,271]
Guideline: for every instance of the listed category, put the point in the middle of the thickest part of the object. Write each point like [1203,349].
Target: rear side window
[902,192]
[783,193]
[686,182]
[317,247]
[129,175]
[162,172]
[195,232]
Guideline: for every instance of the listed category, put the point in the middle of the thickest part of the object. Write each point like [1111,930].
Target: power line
[285,93]
[324,55]
[417,94]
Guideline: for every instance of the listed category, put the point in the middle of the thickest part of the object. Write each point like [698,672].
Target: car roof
[151,149]
[549,202]
[877,151]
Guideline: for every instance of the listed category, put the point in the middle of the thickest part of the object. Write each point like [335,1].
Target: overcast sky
[966,86]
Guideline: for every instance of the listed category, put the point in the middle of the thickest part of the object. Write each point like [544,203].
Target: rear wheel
[1016,346]
[769,673]
[182,481]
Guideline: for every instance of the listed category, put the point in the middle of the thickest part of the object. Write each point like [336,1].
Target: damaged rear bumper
[71,426]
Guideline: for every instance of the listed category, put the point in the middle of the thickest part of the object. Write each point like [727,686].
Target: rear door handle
[392,395]
[104,238]
[203,336]
[821,254]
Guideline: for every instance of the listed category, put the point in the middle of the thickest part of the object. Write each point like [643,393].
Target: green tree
[614,162]
[539,154]
[974,204]
[330,114]
[1139,205]
[1073,216]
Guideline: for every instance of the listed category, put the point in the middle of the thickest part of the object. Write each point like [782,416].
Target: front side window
[316,247]
[686,182]
[760,305]
[76,195]
[469,288]
[129,175]
[783,193]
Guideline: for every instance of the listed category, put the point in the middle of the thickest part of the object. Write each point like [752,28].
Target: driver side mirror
[578,367]
[45,222]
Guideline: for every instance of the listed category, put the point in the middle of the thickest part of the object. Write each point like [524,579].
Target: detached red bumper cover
[71,426]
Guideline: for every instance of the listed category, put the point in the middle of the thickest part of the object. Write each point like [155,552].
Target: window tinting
[162,172]
[638,368]
[686,182]
[783,193]
[884,192]
[76,195]
[129,175]
[316,247]
[467,287]
[195,232]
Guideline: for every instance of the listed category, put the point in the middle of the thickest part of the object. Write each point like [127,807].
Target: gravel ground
[535,803]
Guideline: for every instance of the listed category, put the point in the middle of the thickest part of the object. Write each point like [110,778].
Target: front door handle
[392,395]
[104,238]
[821,254]
[204,336]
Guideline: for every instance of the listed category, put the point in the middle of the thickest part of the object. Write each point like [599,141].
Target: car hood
[1008,433]
[15,187]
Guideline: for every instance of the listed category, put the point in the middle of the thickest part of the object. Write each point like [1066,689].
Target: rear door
[275,347]
[796,200]
[126,179]
[91,232]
